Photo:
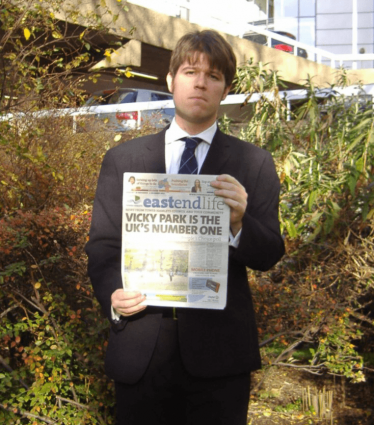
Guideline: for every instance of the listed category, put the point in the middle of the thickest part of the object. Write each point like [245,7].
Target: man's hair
[217,50]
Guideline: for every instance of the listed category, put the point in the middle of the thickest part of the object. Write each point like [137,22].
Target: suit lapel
[218,154]
[154,154]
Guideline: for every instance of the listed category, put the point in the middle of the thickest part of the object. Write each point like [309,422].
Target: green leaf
[291,229]
[311,199]
[352,181]
[356,141]
[360,164]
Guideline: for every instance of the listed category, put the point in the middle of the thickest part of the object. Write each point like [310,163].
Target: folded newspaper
[175,235]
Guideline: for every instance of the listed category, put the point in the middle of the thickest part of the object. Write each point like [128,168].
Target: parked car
[124,121]
[276,44]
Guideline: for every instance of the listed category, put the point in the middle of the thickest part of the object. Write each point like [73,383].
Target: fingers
[127,303]
[235,196]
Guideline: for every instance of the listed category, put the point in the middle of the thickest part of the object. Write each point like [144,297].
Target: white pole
[354,31]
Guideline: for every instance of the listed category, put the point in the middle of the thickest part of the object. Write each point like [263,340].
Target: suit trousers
[168,395]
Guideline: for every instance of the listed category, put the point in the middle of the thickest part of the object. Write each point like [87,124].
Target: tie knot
[192,142]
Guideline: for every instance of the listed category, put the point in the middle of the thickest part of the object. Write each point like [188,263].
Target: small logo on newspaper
[134,201]
[214,286]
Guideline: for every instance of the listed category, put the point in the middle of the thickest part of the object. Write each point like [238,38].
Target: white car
[129,120]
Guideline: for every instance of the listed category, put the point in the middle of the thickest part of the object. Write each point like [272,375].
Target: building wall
[326,24]
[226,16]
[334,23]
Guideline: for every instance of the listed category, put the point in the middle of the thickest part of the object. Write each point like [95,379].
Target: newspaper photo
[175,235]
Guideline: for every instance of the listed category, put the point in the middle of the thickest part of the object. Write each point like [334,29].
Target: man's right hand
[127,303]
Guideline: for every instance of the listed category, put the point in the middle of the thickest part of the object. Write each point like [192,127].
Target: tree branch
[27,414]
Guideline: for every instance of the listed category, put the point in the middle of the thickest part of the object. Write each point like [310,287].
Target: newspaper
[175,235]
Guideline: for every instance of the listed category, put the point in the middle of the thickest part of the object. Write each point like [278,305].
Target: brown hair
[218,51]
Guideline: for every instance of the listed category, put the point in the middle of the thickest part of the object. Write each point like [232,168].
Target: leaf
[117,138]
[363,123]
[355,142]
[26,33]
[360,164]
[352,181]
[267,413]
[311,200]
[287,167]
[370,214]
[56,34]
[291,229]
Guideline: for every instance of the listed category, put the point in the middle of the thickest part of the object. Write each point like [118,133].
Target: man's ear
[226,92]
[169,80]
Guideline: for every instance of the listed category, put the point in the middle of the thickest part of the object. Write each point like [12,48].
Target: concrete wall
[163,31]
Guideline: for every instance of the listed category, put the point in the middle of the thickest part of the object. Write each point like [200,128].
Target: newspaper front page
[175,235]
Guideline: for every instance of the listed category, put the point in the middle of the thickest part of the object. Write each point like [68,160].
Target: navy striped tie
[188,164]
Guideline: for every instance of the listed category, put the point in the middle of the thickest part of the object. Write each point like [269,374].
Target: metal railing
[234,99]
[317,53]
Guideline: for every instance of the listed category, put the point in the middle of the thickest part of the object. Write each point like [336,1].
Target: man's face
[198,91]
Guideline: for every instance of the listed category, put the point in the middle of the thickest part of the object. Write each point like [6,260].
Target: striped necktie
[188,164]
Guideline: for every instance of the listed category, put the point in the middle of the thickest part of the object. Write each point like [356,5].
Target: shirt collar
[174,133]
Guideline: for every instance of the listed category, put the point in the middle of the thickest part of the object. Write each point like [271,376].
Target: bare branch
[27,414]
[75,403]
[5,312]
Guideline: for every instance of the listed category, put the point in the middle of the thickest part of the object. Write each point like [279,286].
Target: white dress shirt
[174,148]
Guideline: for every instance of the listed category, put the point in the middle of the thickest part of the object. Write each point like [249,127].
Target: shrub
[321,293]
[52,339]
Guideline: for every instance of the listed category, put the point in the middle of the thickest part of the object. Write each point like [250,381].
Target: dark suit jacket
[213,343]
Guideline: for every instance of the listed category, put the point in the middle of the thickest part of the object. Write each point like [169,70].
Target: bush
[52,333]
[52,338]
[321,294]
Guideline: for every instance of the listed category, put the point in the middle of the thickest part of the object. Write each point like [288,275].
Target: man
[193,370]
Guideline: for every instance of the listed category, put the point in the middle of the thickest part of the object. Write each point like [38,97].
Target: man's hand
[127,303]
[235,196]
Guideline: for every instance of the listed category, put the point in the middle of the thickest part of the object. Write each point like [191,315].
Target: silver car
[124,121]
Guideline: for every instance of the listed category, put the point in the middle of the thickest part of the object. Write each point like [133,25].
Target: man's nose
[201,80]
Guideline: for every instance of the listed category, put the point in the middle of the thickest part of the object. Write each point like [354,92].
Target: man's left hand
[235,196]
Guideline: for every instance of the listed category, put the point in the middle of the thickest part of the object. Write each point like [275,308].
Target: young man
[194,370]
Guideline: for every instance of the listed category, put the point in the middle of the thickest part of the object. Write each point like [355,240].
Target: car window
[99,99]
[129,97]
[158,96]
